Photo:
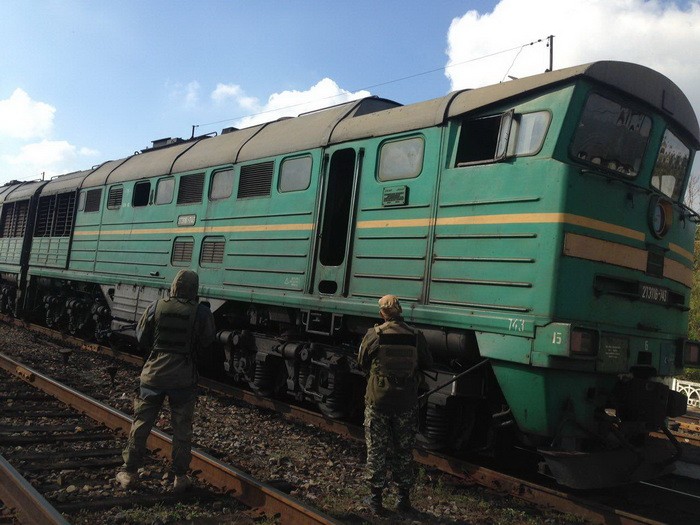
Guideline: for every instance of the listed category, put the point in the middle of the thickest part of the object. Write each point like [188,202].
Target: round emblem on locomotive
[660,216]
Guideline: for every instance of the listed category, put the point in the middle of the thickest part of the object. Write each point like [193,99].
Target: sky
[83,82]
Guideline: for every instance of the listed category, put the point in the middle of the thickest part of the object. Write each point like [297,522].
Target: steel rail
[18,494]
[502,483]
[245,488]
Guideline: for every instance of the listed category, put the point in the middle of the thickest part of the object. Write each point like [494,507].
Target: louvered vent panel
[213,251]
[92,200]
[191,189]
[8,212]
[256,180]
[44,216]
[114,199]
[182,250]
[65,211]
[22,214]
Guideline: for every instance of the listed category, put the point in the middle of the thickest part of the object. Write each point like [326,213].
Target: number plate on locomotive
[653,294]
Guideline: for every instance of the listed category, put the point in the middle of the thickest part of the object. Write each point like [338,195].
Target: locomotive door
[336,219]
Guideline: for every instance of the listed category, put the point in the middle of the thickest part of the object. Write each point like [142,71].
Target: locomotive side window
[182,251]
[527,133]
[295,174]
[92,200]
[611,135]
[256,180]
[142,191]
[671,166]
[191,189]
[401,159]
[114,197]
[165,190]
[221,185]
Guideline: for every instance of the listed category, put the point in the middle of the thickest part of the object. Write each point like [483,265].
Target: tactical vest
[392,383]
[174,326]
[397,358]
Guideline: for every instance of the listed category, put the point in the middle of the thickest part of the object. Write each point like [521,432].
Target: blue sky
[82,81]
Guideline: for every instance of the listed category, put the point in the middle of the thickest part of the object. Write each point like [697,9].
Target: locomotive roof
[373,116]
[65,183]
[641,82]
[20,191]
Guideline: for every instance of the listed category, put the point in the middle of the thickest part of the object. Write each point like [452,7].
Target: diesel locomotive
[535,227]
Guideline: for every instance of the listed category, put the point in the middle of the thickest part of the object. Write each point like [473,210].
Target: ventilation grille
[114,199]
[14,219]
[55,215]
[213,251]
[92,200]
[256,180]
[191,189]
[182,250]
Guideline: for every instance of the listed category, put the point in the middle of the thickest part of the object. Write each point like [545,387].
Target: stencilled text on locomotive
[654,294]
[516,325]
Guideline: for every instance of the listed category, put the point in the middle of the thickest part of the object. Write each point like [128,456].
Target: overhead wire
[401,79]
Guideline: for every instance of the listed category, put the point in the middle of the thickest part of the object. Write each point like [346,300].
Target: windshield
[611,135]
[671,166]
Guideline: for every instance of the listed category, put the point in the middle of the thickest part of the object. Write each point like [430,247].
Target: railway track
[617,506]
[59,435]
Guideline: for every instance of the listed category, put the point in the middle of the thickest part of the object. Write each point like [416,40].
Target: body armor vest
[393,381]
[174,326]
[397,358]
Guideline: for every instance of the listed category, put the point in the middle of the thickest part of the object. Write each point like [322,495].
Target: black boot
[375,502]
[404,504]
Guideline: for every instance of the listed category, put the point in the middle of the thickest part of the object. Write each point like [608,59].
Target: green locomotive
[538,224]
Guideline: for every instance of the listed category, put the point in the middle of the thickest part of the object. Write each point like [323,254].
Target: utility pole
[550,45]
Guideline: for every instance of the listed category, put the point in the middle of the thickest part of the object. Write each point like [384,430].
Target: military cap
[390,304]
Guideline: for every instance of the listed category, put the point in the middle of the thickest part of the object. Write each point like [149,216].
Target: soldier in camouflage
[392,353]
[173,330]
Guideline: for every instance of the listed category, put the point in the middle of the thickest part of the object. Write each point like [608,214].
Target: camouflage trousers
[390,437]
[147,406]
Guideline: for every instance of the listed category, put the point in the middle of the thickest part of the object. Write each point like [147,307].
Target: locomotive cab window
[483,139]
[165,190]
[221,185]
[401,159]
[295,174]
[611,135]
[671,166]
[142,192]
[527,133]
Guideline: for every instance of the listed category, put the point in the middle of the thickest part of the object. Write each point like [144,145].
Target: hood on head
[185,285]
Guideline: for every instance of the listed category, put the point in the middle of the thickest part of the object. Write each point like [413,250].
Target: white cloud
[324,93]
[23,118]
[52,157]
[225,92]
[656,34]
[185,94]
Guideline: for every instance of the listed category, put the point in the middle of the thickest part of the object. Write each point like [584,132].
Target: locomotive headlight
[660,216]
